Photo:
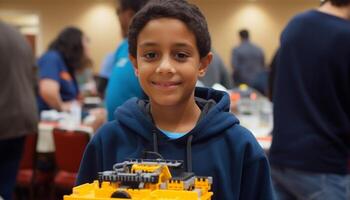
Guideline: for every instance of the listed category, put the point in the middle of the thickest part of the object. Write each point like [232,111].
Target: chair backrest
[69,149]
[29,152]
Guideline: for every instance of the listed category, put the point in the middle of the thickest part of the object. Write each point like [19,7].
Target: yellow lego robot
[145,179]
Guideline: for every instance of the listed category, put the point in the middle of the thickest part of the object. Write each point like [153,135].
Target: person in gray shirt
[216,73]
[247,60]
[18,116]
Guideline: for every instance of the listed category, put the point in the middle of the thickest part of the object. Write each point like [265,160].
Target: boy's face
[168,62]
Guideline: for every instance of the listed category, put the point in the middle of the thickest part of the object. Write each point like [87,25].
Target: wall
[96,18]
[264,18]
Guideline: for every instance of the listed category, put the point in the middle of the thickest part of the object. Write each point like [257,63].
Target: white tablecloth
[260,129]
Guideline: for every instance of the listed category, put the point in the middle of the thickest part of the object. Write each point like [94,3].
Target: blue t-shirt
[172,135]
[52,66]
[123,83]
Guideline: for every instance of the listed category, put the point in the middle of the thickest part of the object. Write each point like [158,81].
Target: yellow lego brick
[93,192]
[152,179]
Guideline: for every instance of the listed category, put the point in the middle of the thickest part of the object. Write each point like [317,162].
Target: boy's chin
[166,101]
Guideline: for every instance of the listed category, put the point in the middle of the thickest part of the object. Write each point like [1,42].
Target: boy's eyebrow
[182,45]
[148,44]
[152,44]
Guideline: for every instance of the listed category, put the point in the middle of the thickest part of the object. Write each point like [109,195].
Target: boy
[170,47]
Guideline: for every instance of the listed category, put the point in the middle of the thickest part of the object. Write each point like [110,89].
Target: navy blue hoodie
[217,146]
[312,95]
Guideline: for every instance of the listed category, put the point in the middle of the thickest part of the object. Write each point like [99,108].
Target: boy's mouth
[165,84]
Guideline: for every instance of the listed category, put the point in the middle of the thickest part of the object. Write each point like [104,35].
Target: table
[260,129]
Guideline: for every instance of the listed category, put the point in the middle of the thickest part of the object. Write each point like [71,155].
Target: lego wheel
[121,195]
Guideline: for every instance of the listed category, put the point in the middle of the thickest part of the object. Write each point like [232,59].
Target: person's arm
[96,118]
[235,59]
[262,58]
[49,90]
[256,181]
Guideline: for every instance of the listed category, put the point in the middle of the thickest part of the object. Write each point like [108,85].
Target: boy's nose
[165,66]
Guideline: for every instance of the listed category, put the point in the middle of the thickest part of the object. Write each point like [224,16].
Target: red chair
[29,178]
[26,172]
[69,149]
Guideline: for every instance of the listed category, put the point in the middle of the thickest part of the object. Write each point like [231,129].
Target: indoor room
[175,99]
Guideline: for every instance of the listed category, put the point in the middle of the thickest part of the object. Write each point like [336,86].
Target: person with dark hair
[169,46]
[247,60]
[122,82]
[244,34]
[311,136]
[67,54]
[18,116]
[125,11]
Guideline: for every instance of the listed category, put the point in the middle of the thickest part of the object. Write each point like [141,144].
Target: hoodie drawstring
[155,141]
[188,145]
[189,153]
[188,149]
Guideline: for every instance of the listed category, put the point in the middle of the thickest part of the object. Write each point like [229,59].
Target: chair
[29,178]
[26,173]
[69,149]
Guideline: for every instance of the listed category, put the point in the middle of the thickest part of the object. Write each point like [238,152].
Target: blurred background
[41,20]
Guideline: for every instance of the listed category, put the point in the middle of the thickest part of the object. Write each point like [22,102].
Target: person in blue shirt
[57,68]
[122,82]
[311,136]
[169,45]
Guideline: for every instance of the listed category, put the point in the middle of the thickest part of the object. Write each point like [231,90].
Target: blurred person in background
[216,73]
[123,83]
[311,136]
[18,115]
[67,56]
[272,75]
[104,73]
[247,60]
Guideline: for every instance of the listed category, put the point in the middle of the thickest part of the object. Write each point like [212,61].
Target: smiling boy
[169,45]
[168,64]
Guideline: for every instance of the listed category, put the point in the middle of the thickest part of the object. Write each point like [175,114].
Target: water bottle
[75,111]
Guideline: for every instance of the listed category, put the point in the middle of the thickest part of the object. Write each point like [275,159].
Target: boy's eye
[181,56]
[150,55]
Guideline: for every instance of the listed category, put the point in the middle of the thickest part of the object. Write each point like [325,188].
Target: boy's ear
[204,63]
[134,64]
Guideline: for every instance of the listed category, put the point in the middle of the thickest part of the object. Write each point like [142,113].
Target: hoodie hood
[216,119]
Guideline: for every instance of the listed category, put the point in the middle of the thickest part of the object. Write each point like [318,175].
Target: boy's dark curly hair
[134,5]
[339,2]
[176,9]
